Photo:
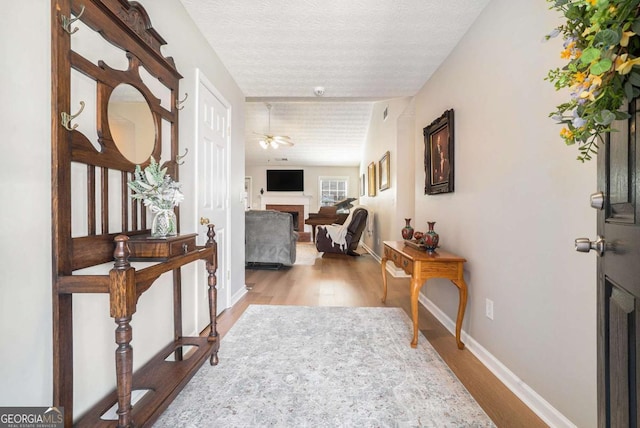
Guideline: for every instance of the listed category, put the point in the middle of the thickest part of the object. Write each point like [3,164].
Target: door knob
[204,220]
[583,245]
[597,200]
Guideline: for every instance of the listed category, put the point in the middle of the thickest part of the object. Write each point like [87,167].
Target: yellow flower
[624,41]
[624,66]
[565,54]
[579,77]
[588,95]
[592,2]
[566,133]
[595,80]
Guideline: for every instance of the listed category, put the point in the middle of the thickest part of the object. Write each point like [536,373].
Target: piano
[329,215]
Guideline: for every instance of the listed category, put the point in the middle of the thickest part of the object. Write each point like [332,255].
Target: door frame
[222,270]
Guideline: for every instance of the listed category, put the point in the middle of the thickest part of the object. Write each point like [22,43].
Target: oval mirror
[131,123]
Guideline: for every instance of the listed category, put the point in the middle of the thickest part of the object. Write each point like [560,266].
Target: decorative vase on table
[164,224]
[431,238]
[407,231]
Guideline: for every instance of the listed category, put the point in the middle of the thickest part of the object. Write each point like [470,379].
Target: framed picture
[438,155]
[248,193]
[383,167]
[371,173]
[362,185]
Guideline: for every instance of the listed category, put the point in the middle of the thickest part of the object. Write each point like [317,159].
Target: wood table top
[421,255]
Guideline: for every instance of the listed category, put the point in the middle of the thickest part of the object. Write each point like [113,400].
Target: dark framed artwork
[362,185]
[438,155]
[384,169]
[371,177]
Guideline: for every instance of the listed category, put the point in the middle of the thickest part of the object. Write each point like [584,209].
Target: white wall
[391,206]
[25,229]
[520,200]
[25,225]
[258,174]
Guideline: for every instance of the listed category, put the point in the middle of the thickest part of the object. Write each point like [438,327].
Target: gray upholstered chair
[269,238]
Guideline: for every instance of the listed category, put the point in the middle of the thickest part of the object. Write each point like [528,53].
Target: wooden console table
[423,266]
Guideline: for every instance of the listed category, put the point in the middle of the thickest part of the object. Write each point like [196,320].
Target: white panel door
[213,178]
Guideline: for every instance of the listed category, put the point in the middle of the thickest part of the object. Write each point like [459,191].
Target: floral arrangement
[601,46]
[155,188]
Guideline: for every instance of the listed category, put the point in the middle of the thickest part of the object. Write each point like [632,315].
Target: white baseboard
[238,295]
[549,414]
[395,272]
[370,251]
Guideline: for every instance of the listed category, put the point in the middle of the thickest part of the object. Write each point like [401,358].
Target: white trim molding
[549,414]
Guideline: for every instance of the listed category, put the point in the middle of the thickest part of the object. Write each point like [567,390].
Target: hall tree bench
[98,230]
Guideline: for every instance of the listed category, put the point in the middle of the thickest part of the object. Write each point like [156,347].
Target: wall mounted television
[285,180]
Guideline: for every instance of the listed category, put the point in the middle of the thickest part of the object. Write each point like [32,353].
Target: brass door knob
[204,220]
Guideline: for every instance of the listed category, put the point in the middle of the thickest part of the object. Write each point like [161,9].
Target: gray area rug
[293,366]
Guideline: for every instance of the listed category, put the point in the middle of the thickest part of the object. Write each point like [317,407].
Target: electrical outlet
[489,309]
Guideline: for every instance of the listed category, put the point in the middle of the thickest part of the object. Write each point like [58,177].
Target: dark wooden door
[619,275]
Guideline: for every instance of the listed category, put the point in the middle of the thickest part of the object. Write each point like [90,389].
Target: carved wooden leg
[462,304]
[124,371]
[416,285]
[383,263]
[177,312]
[122,300]
[212,267]
[213,305]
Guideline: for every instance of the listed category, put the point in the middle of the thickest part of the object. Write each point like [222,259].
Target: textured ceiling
[325,133]
[358,50]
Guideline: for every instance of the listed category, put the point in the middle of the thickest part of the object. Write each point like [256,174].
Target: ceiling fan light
[263,144]
[274,144]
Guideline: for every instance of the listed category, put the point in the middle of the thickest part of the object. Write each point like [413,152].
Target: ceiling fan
[274,141]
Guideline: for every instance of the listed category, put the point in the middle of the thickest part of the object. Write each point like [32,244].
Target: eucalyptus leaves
[156,189]
[601,45]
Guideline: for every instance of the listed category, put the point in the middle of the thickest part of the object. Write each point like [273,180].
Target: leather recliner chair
[343,239]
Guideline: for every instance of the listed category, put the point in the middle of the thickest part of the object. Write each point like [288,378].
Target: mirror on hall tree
[131,123]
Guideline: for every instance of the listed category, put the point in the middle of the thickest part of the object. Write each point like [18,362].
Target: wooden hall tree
[96,224]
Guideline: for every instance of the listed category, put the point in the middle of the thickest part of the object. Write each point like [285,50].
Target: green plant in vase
[160,194]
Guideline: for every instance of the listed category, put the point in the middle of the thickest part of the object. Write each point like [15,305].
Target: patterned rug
[292,366]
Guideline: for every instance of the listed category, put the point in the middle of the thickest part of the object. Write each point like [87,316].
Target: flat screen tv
[285,180]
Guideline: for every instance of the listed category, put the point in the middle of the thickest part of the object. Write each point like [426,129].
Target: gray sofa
[269,238]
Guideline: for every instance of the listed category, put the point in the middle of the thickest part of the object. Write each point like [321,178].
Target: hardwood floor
[336,280]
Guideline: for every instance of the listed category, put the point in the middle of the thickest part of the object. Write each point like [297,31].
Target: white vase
[164,224]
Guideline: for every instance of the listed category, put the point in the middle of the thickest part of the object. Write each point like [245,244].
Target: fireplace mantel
[286,200]
[280,199]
